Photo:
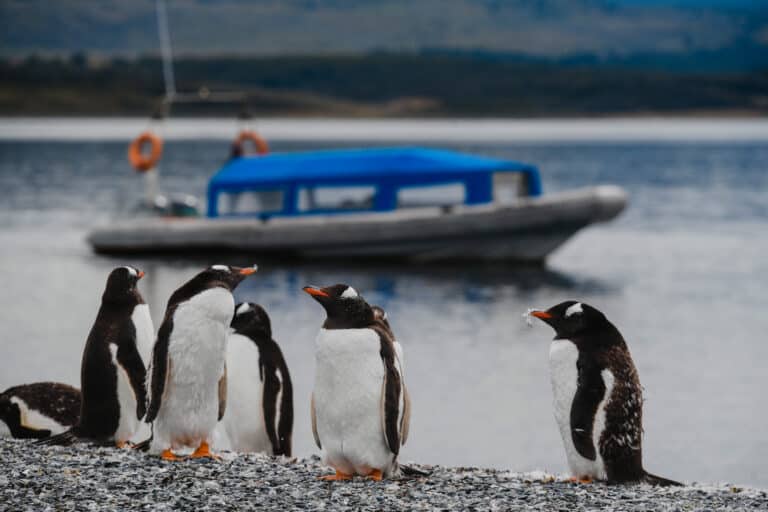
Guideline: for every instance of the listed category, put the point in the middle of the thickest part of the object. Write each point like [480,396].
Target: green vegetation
[379,84]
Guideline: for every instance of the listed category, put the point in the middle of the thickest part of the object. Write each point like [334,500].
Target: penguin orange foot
[204,451]
[337,477]
[169,455]
[581,480]
[375,475]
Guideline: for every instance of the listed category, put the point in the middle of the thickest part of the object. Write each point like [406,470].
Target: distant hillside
[694,35]
[380,84]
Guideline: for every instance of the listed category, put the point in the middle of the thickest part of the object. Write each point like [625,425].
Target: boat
[404,203]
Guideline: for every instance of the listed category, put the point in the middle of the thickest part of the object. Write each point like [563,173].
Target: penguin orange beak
[541,314]
[315,292]
[140,274]
[248,270]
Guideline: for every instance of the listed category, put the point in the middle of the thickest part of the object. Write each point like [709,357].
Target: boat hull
[525,232]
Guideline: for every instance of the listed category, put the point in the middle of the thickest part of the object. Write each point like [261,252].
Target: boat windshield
[336,198]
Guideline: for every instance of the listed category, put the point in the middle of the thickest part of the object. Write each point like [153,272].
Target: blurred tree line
[385,84]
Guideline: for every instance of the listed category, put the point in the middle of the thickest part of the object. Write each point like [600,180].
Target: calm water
[682,273]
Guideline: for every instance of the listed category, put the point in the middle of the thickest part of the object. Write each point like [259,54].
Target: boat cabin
[364,180]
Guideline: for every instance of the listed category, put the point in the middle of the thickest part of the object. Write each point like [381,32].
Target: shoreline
[85,477]
[406,130]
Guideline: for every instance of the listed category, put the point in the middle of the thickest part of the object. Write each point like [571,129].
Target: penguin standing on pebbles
[259,414]
[360,407]
[598,400]
[112,373]
[39,410]
[188,381]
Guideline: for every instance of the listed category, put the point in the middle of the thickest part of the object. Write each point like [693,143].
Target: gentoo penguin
[598,400]
[39,410]
[259,414]
[188,381]
[112,373]
[360,407]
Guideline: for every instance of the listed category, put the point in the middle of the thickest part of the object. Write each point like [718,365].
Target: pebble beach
[84,477]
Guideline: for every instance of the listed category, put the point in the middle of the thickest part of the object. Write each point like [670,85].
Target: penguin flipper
[223,393]
[160,369]
[128,357]
[589,393]
[66,438]
[314,421]
[405,421]
[391,392]
[285,424]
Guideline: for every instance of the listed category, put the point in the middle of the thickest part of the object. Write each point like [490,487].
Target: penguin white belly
[244,419]
[145,332]
[347,394]
[127,423]
[196,350]
[32,419]
[563,356]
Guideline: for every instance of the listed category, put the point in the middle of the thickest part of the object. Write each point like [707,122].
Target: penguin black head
[250,319]
[225,275]
[346,309]
[572,319]
[121,284]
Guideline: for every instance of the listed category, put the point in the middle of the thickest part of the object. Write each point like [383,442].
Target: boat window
[508,186]
[431,195]
[250,201]
[336,198]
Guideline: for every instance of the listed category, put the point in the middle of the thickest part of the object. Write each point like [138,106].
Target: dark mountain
[687,35]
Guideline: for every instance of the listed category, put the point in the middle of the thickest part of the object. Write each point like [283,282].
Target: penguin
[112,373]
[360,407]
[39,410]
[598,400]
[188,371]
[259,415]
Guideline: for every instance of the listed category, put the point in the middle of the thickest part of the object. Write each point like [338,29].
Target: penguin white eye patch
[131,271]
[349,293]
[573,310]
[244,308]
[220,267]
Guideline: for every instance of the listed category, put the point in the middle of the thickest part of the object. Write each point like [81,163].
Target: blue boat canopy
[385,171]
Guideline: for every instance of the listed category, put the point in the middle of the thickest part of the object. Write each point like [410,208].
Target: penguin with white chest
[259,415]
[112,373]
[598,400]
[360,407]
[188,372]
[39,410]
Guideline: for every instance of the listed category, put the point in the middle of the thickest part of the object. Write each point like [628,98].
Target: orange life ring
[136,156]
[249,136]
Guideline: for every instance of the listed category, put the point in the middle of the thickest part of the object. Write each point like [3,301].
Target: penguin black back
[100,410]
[252,321]
[57,402]
[111,358]
[607,379]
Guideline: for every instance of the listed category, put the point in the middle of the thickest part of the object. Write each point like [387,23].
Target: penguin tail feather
[66,438]
[144,445]
[413,472]
[660,481]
